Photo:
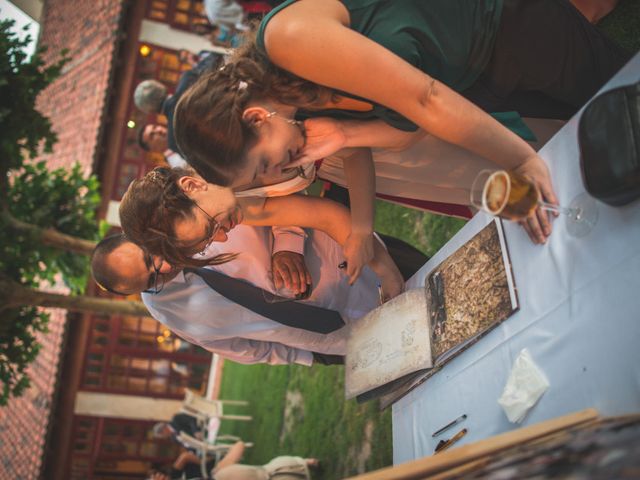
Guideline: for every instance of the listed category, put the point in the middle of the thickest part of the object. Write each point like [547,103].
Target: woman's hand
[324,137]
[537,224]
[358,251]
[390,277]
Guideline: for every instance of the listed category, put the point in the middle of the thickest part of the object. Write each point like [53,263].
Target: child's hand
[358,251]
[290,271]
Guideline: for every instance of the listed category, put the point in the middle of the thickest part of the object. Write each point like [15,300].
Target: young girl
[175,214]
[402,62]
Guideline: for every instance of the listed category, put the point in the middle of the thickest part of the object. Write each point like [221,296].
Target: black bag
[609,140]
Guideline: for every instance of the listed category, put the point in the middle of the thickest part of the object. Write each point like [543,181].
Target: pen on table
[380,295]
[449,425]
[444,445]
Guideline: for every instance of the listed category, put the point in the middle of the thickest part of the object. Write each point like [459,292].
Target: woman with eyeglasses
[175,214]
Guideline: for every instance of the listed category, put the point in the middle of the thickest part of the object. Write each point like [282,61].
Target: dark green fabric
[451,40]
[513,121]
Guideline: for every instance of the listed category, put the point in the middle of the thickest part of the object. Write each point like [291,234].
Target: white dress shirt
[189,307]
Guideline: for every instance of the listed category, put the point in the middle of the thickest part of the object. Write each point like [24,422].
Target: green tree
[47,218]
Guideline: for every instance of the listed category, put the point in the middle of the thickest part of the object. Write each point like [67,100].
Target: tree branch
[15,295]
[49,236]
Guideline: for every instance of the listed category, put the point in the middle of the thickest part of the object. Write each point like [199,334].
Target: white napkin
[525,386]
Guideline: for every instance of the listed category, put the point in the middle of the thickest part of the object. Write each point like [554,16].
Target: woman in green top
[401,61]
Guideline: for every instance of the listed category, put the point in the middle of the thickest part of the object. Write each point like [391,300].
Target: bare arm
[377,133]
[300,210]
[361,180]
[328,216]
[184,458]
[232,457]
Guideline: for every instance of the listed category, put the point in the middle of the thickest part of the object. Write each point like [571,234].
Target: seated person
[282,468]
[188,466]
[181,422]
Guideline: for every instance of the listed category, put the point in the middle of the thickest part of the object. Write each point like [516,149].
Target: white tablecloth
[579,317]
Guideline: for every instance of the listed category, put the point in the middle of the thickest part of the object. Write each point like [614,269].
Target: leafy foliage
[23,127]
[18,348]
[61,199]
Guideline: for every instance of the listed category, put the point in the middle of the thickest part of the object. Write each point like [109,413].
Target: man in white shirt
[196,312]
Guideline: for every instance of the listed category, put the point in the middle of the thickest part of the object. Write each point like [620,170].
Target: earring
[290,121]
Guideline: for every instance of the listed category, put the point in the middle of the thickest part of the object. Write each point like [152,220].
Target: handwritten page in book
[388,343]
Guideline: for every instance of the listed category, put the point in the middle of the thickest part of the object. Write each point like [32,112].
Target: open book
[401,343]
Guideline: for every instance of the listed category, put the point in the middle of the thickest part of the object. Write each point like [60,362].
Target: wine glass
[509,195]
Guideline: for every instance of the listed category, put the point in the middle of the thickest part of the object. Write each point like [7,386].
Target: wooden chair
[204,409]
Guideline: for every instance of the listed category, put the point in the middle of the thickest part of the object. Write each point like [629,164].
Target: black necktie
[292,314]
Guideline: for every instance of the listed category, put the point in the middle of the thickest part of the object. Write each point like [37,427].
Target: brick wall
[24,422]
[76,101]
[75,104]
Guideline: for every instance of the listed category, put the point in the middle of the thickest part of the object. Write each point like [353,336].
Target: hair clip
[155,176]
[242,85]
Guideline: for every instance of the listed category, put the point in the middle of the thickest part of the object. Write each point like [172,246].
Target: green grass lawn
[302,411]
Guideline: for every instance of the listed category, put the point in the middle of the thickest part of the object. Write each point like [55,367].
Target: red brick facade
[75,103]
[24,422]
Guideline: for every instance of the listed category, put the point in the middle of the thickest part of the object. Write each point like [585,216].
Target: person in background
[227,13]
[281,468]
[152,97]
[181,422]
[187,466]
[152,137]
[218,34]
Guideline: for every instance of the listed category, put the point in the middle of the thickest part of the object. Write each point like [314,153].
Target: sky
[9,10]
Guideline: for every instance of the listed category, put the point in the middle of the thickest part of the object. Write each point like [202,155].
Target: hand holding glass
[509,195]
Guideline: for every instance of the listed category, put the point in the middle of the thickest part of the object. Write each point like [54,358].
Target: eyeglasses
[155,284]
[212,229]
